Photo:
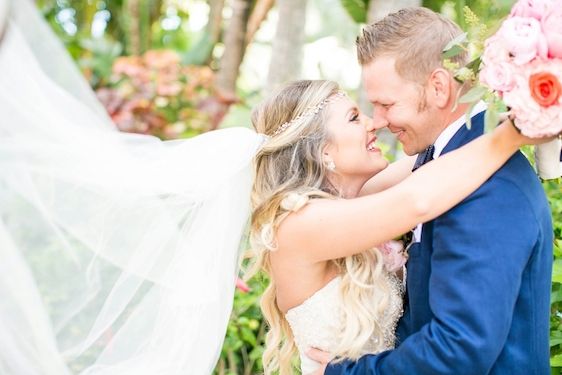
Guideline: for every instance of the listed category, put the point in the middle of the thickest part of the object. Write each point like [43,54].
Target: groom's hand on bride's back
[323,358]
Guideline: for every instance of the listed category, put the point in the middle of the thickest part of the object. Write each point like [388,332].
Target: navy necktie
[424,157]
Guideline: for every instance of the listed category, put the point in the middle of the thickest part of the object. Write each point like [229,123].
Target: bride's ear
[328,161]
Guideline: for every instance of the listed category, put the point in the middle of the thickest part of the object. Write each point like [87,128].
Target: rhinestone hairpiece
[309,112]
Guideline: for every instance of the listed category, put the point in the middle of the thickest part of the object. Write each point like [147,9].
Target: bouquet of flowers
[519,70]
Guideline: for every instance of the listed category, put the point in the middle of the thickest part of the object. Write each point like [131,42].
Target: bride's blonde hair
[289,172]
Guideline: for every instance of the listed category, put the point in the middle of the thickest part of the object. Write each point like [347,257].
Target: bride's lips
[371,145]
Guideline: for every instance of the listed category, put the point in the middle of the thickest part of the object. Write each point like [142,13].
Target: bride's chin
[381,166]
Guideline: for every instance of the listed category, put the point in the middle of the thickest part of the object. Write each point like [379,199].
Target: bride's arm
[331,229]
[390,176]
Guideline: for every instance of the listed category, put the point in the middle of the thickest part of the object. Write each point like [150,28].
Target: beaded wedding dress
[317,321]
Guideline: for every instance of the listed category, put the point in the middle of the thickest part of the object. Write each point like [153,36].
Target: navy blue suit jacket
[478,285]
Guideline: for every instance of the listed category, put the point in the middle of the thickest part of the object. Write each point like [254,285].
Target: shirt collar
[452,129]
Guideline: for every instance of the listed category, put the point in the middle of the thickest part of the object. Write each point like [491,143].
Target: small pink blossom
[530,8]
[393,255]
[242,286]
[500,76]
[552,29]
[523,39]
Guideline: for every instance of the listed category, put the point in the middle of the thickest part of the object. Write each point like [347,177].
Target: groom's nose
[379,121]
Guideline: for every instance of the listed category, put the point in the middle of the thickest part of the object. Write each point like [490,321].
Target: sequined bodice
[317,321]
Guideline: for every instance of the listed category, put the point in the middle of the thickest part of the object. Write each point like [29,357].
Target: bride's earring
[331,166]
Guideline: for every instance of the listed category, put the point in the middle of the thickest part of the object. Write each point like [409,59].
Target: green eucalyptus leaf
[491,118]
[453,51]
[468,117]
[474,65]
[455,42]
[474,94]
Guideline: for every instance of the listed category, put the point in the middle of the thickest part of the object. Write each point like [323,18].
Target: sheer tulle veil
[118,252]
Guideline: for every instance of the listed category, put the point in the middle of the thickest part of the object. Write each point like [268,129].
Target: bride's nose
[368,123]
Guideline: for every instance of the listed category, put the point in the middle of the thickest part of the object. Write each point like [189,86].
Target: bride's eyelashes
[354,118]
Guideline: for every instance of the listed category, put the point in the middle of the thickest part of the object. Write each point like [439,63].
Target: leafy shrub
[155,94]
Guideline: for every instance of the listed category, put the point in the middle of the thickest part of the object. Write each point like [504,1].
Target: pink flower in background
[500,76]
[552,28]
[524,39]
[530,8]
[242,286]
[393,255]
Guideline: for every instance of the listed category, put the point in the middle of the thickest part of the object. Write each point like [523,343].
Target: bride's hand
[323,358]
[508,129]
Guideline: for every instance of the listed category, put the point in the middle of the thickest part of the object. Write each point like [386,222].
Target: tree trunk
[213,27]
[259,14]
[235,47]
[287,54]
[202,52]
[235,44]
[377,10]
[131,12]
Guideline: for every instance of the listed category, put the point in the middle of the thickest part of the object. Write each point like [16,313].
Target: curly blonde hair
[289,172]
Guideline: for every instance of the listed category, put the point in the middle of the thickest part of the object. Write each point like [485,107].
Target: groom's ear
[440,87]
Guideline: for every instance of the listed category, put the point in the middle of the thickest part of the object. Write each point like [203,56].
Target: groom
[478,281]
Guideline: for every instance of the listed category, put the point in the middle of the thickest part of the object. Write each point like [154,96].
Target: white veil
[118,252]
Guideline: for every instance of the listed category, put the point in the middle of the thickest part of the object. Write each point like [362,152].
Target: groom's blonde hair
[415,37]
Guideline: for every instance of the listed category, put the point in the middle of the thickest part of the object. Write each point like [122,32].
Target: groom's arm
[480,249]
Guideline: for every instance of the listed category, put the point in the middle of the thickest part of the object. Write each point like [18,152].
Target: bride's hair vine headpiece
[309,112]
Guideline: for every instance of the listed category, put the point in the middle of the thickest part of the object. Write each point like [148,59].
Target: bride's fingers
[319,355]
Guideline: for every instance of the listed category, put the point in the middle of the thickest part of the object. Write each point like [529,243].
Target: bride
[119,251]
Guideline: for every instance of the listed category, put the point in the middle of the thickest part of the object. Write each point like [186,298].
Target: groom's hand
[321,357]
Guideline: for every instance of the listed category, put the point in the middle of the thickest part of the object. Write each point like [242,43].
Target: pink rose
[530,8]
[495,51]
[545,88]
[535,120]
[552,29]
[499,77]
[523,39]
[393,255]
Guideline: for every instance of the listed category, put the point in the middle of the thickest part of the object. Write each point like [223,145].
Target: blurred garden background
[177,68]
